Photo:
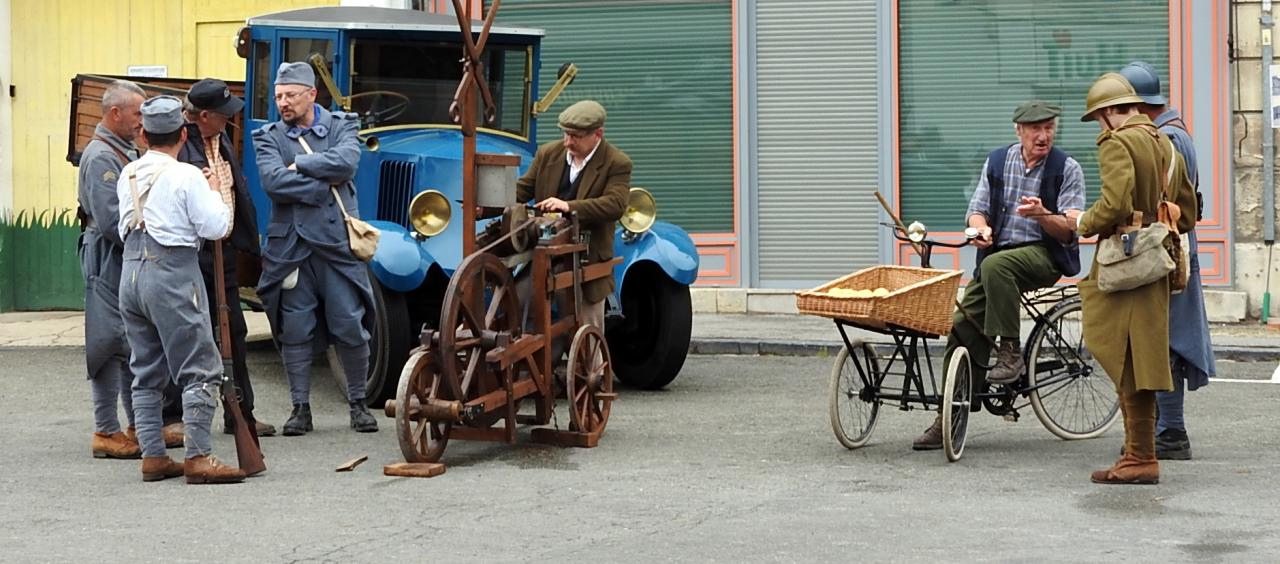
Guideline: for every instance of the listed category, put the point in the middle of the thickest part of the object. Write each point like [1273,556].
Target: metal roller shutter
[817,132]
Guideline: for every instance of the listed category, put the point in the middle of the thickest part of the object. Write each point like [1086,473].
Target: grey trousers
[321,288]
[163,301]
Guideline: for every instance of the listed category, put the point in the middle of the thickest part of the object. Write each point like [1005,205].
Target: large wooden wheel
[588,382]
[479,304]
[421,440]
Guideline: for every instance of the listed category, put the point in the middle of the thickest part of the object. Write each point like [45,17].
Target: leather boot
[299,422]
[208,470]
[361,420]
[131,433]
[932,437]
[263,428]
[173,434]
[1009,365]
[156,468]
[1130,469]
[115,445]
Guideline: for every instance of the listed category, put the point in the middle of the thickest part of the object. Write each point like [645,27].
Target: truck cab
[398,71]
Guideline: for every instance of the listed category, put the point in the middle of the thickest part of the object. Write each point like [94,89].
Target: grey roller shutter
[816,155]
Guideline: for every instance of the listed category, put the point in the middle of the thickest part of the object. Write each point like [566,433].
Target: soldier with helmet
[1128,331]
[1190,348]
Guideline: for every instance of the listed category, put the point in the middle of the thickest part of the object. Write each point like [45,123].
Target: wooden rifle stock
[248,453]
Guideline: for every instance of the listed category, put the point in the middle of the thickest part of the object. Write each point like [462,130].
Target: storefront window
[965,65]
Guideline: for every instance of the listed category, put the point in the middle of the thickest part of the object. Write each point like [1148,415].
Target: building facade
[764,127]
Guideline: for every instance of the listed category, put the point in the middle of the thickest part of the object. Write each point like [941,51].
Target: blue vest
[1066,257]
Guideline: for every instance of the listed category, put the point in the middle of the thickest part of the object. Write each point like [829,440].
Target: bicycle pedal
[1011,417]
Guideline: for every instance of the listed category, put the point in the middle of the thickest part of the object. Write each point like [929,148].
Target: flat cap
[162,114]
[585,116]
[296,73]
[213,95]
[1034,111]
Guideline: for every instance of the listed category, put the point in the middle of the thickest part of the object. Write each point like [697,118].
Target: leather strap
[124,159]
[333,189]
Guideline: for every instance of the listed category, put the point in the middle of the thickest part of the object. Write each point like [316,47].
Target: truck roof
[385,19]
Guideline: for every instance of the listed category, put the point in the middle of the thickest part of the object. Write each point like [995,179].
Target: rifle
[248,452]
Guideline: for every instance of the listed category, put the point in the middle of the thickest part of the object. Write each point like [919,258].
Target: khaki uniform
[1130,330]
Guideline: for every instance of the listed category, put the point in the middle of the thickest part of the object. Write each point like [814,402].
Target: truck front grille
[395,189]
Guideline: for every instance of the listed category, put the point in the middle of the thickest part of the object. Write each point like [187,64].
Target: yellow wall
[60,38]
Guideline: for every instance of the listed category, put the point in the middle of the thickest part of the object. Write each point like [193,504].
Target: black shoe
[299,422]
[361,420]
[1173,444]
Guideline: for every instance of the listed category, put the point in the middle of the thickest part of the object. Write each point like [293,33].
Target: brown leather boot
[1009,364]
[131,433]
[208,470]
[1129,469]
[115,445]
[173,434]
[932,437]
[156,468]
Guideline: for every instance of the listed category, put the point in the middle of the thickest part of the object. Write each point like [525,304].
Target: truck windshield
[413,82]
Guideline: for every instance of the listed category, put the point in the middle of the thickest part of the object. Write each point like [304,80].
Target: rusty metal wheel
[420,440]
[588,382]
[480,304]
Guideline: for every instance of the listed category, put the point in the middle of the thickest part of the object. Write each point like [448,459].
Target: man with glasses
[584,174]
[316,292]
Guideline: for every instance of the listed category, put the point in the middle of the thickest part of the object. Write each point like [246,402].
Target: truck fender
[665,245]
[401,262]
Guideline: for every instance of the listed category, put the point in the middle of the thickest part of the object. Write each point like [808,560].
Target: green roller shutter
[964,67]
[663,70]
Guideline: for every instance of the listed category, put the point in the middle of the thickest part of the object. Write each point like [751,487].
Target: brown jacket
[1130,330]
[599,203]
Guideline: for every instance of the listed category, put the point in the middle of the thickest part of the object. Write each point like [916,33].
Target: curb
[819,348]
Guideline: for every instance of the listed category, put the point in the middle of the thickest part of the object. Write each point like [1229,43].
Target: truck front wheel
[649,347]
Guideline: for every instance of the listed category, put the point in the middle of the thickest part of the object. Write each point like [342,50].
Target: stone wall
[1248,123]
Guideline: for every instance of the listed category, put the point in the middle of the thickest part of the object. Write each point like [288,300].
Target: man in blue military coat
[316,292]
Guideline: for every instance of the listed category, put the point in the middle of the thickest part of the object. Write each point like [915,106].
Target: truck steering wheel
[382,106]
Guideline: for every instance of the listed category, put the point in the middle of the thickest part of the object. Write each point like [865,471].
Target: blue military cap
[296,73]
[162,114]
[1145,81]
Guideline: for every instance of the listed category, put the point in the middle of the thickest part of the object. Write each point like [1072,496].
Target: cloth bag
[363,237]
[1136,255]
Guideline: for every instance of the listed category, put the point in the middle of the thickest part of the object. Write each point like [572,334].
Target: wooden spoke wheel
[420,440]
[479,304]
[588,382]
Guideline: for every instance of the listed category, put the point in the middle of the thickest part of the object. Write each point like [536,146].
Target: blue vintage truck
[399,69]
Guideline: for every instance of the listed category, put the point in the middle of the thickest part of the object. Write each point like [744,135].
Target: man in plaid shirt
[208,107]
[1024,211]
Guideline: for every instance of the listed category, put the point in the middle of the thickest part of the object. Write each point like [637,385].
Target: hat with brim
[214,95]
[1111,89]
[587,115]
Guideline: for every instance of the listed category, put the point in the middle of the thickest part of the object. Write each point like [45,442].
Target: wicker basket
[919,298]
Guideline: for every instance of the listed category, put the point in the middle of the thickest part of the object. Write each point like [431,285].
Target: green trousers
[994,299]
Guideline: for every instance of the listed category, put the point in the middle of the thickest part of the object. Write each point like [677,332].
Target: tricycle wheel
[957,393]
[588,382]
[421,440]
[853,408]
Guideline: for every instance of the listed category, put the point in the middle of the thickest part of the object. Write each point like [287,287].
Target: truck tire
[388,347]
[648,350]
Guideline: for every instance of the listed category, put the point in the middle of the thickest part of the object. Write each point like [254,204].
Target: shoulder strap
[124,159]
[1168,175]
[140,201]
[333,189]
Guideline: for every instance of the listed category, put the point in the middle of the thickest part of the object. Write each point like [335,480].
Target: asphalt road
[735,462]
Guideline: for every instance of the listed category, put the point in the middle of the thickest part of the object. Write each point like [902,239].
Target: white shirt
[179,207]
[574,171]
